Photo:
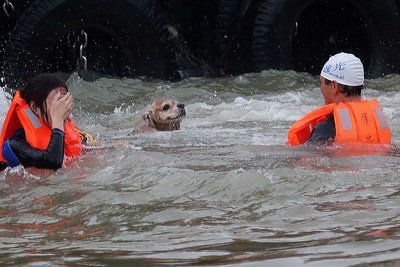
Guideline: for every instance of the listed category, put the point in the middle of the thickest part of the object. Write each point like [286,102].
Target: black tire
[125,37]
[233,36]
[226,23]
[366,28]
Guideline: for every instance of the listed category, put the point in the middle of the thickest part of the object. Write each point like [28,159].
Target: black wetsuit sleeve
[2,166]
[50,158]
[323,131]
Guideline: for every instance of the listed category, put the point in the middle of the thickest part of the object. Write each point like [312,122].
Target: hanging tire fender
[137,28]
[274,35]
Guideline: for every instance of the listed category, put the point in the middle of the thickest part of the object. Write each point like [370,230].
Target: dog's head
[166,114]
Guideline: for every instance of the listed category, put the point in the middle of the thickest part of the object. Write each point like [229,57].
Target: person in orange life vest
[38,131]
[346,117]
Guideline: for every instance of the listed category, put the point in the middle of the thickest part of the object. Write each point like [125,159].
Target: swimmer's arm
[51,158]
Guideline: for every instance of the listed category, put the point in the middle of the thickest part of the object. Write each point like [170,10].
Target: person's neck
[351,99]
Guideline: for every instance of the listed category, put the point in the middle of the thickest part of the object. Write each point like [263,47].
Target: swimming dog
[163,115]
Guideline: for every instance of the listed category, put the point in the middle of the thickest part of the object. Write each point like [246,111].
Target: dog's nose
[181,106]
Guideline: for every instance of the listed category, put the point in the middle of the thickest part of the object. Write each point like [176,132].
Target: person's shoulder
[326,126]
[324,131]
[330,121]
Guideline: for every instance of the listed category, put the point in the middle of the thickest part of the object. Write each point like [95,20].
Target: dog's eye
[166,107]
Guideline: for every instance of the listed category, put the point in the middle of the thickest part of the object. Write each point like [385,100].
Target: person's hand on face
[59,107]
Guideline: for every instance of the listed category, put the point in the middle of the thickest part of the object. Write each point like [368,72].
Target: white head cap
[344,68]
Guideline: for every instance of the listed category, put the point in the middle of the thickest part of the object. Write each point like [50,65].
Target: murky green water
[224,190]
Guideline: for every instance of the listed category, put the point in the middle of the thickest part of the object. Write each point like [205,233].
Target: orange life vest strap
[73,139]
[11,123]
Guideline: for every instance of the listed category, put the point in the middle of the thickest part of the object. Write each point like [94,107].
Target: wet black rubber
[136,27]
[226,23]
[369,31]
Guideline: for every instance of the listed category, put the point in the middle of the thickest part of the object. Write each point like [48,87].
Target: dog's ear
[148,118]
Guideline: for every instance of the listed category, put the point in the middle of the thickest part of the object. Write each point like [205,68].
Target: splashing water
[222,190]
[5,99]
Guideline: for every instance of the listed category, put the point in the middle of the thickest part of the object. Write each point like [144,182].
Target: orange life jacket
[355,122]
[38,134]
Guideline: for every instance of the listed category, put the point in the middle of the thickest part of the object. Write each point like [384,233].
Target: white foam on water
[5,100]
[225,180]
[288,106]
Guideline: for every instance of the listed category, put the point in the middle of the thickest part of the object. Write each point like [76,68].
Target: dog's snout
[181,106]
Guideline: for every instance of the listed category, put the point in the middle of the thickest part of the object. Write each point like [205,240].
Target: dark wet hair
[39,87]
[348,90]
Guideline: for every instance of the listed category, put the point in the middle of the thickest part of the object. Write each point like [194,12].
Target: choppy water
[224,190]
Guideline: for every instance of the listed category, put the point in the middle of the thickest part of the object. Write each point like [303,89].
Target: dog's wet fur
[163,115]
